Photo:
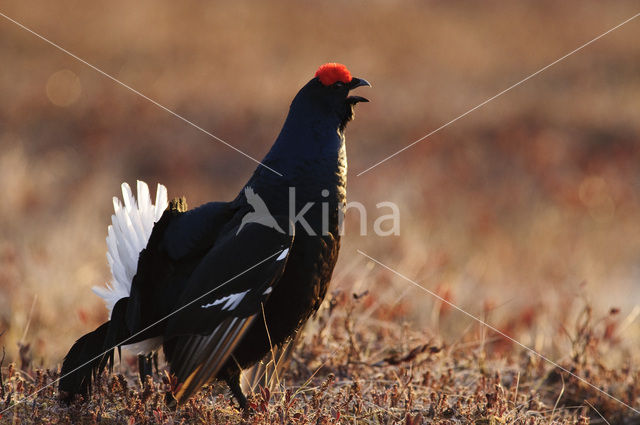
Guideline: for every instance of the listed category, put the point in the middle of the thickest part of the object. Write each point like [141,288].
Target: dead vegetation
[363,372]
[524,213]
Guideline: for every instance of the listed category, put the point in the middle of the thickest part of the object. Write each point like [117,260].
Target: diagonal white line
[531,350]
[499,94]
[138,93]
[596,410]
[141,331]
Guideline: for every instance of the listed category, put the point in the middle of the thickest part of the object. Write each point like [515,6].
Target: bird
[213,287]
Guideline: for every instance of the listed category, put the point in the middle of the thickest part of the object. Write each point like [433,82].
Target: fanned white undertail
[127,236]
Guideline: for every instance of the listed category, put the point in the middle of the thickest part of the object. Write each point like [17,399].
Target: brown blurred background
[522,212]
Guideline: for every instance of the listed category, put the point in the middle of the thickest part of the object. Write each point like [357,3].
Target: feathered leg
[232,377]
[234,386]
[145,366]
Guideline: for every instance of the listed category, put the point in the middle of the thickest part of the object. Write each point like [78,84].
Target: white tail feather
[127,236]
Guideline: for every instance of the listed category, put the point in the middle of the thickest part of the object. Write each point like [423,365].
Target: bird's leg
[170,401]
[155,361]
[233,381]
[145,366]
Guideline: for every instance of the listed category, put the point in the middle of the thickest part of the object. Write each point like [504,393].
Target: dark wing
[192,232]
[177,241]
[221,298]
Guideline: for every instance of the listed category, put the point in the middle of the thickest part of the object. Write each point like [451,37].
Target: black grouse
[218,286]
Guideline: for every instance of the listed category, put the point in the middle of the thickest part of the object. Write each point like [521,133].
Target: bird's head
[328,93]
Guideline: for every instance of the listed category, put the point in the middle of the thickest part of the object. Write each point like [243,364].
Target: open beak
[354,83]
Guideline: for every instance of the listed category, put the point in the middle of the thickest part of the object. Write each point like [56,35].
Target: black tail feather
[84,361]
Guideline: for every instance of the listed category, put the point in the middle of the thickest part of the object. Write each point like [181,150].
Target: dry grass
[524,213]
[360,367]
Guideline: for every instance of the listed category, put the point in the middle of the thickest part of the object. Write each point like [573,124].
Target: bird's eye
[338,84]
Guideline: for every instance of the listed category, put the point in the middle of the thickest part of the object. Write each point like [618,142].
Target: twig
[558,399]
[1,375]
[515,396]
[596,410]
[273,355]
[26,328]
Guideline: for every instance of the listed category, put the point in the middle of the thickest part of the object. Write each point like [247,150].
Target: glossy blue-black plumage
[208,255]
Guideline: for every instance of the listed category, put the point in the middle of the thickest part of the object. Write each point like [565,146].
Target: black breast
[311,261]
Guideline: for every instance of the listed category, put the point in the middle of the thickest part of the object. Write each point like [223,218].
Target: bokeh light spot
[63,88]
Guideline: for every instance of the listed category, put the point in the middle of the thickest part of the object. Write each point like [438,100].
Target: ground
[357,368]
[523,213]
